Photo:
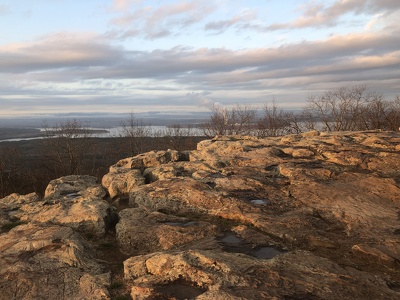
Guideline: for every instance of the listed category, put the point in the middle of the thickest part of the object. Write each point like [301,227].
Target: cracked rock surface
[308,216]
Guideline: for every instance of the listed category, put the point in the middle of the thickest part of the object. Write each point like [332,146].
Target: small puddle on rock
[231,239]
[180,224]
[266,252]
[71,195]
[179,291]
[260,202]
[232,243]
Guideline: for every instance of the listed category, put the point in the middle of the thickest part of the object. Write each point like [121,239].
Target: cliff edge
[309,216]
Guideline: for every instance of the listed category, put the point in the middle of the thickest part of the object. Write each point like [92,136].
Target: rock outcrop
[49,262]
[73,201]
[308,216]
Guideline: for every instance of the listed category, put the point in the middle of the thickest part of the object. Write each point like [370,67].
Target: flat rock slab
[140,231]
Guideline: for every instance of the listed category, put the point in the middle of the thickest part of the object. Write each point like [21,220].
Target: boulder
[74,201]
[73,186]
[221,275]
[9,207]
[15,201]
[49,262]
[122,182]
[126,174]
[149,159]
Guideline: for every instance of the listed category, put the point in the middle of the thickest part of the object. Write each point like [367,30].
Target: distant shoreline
[18,134]
[32,133]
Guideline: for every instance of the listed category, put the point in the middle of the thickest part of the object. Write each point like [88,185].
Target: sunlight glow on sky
[105,56]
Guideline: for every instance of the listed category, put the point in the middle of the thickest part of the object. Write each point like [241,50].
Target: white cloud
[221,25]
[122,5]
[201,99]
[4,9]
[56,51]
[374,21]
[317,14]
[99,71]
[164,20]
[88,60]
[88,57]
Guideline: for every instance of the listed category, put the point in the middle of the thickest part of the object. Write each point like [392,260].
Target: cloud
[84,66]
[168,11]
[83,57]
[164,20]
[134,17]
[373,22]
[201,99]
[55,52]
[4,9]
[122,5]
[315,14]
[90,71]
[222,25]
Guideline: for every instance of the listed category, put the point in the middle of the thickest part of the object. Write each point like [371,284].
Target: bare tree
[9,157]
[374,115]
[342,109]
[276,122]
[135,133]
[243,119]
[218,122]
[393,115]
[235,121]
[68,144]
[177,136]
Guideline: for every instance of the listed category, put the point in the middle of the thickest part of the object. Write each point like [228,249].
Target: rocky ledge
[310,216]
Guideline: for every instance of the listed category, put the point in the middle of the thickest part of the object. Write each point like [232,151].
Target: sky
[116,56]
